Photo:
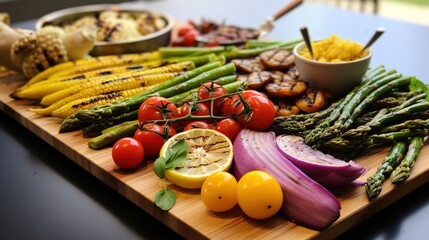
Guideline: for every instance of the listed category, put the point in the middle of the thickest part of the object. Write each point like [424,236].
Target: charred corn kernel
[80,62]
[89,102]
[119,61]
[109,86]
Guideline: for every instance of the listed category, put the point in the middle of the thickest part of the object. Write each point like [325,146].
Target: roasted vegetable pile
[386,109]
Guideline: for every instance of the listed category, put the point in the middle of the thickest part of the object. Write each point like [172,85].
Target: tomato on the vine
[219,192]
[198,109]
[259,117]
[190,38]
[152,137]
[259,194]
[229,127]
[156,108]
[229,105]
[185,29]
[212,90]
[127,153]
[197,124]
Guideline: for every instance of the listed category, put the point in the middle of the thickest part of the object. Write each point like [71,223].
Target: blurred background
[414,11]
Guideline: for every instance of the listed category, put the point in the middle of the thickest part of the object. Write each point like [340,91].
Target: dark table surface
[45,195]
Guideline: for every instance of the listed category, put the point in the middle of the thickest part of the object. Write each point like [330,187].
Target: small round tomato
[127,153]
[183,30]
[197,124]
[199,109]
[229,127]
[219,192]
[259,117]
[156,108]
[250,92]
[190,38]
[152,137]
[259,194]
[212,90]
[229,105]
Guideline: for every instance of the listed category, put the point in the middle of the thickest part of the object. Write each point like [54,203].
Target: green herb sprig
[174,156]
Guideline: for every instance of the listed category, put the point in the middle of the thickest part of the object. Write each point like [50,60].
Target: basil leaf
[159,167]
[416,84]
[165,199]
[176,155]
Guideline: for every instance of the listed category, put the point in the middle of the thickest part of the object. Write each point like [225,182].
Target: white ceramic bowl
[144,43]
[336,78]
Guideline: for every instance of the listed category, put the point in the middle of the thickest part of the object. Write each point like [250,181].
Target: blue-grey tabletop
[44,195]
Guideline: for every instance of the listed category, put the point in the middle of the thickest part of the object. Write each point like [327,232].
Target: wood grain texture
[189,217]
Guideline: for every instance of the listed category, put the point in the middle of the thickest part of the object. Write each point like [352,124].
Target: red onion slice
[323,168]
[305,202]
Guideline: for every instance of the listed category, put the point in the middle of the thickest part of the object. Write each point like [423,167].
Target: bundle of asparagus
[386,108]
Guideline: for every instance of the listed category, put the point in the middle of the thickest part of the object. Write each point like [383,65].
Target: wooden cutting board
[189,217]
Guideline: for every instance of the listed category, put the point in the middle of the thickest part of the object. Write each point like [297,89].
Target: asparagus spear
[403,171]
[95,129]
[296,124]
[340,144]
[374,183]
[409,124]
[385,119]
[114,135]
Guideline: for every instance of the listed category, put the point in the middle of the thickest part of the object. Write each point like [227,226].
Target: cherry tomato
[190,38]
[260,117]
[219,192]
[152,137]
[156,108]
[229,105]
[212,90]
[248,93]
[259,194]
[229,127]
[127,153]
[198,109]
[197,124]
[183,30]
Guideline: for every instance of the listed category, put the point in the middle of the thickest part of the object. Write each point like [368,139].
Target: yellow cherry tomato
[259,194]
[219,192]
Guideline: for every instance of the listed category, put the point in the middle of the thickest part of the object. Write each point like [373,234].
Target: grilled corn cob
[88,102]
[39,51]
[50,46]
[118,61]
[80,62]
[142,68]
[109,85]
[37,93]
